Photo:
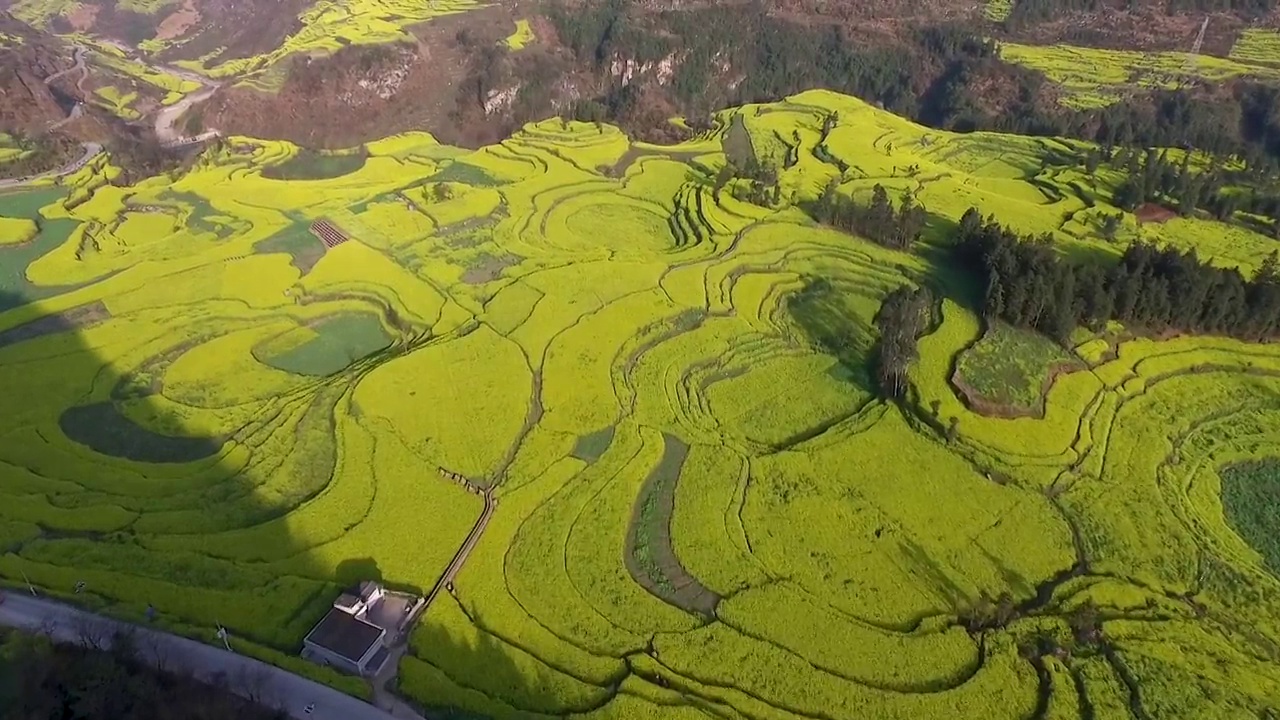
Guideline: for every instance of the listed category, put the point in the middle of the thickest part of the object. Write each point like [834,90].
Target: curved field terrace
[660,392]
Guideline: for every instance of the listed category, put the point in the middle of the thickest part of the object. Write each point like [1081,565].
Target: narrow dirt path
[384,697]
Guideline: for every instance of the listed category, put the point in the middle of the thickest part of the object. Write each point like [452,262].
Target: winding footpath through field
[382,695]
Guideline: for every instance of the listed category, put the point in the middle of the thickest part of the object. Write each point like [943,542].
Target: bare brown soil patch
[83,17]
[1150,212]
[178,22]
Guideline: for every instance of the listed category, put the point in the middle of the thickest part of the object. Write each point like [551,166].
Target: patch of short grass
[1251,503]
[1008,366]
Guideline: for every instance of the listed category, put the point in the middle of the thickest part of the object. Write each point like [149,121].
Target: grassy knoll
[1009,368]
[15,231]
[671,387]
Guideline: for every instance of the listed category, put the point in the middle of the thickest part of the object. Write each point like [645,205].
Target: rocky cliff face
[27,59]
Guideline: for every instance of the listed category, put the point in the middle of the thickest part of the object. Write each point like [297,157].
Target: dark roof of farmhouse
[355,594]
[345,635]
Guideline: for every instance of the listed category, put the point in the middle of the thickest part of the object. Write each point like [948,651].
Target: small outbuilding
[357,632]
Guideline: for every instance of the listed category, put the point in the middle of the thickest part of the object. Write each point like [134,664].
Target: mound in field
[703,508]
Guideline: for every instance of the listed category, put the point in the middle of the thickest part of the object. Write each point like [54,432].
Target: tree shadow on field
[113,499]
[821,311]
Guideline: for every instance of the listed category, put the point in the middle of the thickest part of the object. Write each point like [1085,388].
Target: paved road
[90,149]
[79,56]
[167,117]
[277,687]
[78,109]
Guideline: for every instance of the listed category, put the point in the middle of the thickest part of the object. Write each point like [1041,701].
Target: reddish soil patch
[177,24]
[328,233]
[83,17]
[1150,212]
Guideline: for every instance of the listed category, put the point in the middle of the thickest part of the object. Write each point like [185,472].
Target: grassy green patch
[1251,502]
[313,165]
[1008,367]
[298,242]
[591,446]
[330,345]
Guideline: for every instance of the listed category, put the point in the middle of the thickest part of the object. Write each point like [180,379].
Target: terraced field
[1095,77]
[325,27]
[703,507]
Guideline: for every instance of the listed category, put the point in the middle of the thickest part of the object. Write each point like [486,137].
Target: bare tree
[154,650]
[91,632]
[255,683]
[124,644]
[48,627]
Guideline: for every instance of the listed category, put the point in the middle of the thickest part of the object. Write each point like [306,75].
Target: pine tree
[1110,226]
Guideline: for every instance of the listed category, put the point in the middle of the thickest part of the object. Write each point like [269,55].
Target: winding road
[90,148]
[245,676]
[165,121]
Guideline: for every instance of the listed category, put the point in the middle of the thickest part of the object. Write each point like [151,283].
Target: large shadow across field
[106,491]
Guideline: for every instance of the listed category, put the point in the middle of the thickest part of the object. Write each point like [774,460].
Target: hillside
[27,58]
[734,461]
[339,72]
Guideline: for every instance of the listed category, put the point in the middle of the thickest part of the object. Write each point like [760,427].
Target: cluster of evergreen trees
[1028,284]
[877,221]
[903,316]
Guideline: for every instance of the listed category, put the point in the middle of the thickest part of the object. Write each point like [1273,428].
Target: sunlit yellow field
[704,508]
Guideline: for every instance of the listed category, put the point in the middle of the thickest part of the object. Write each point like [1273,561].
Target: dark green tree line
[1028,284]
[877,221]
